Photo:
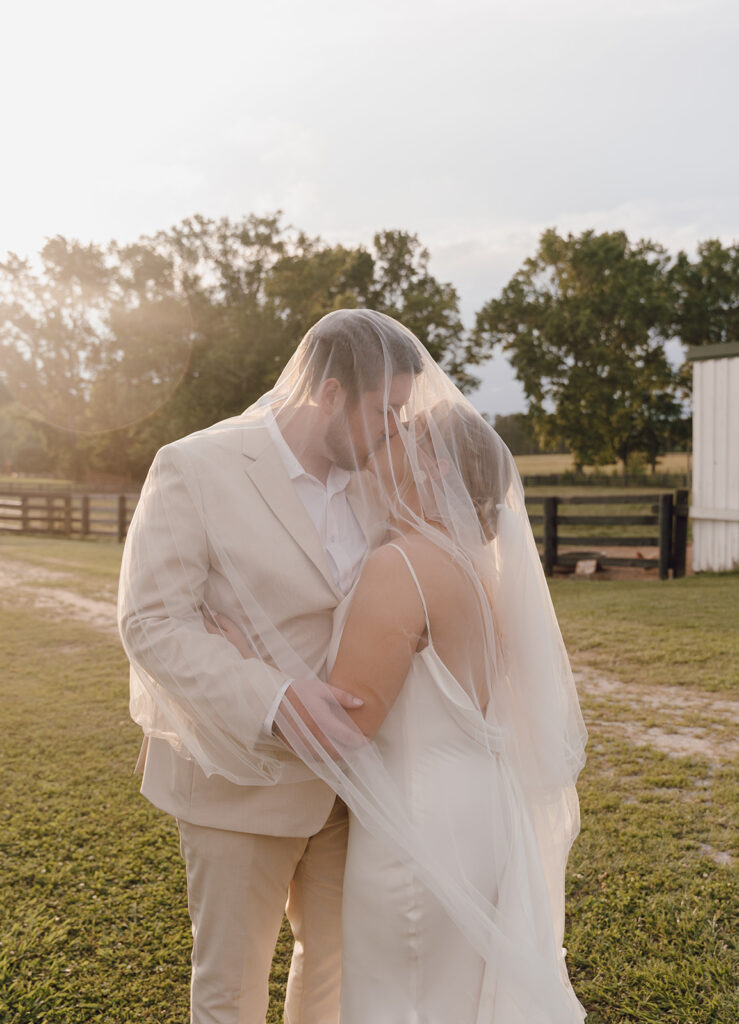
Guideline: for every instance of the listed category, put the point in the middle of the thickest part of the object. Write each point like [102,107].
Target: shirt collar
[288,456]
[337,478]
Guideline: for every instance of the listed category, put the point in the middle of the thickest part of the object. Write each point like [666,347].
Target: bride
[413,644]
[460,764]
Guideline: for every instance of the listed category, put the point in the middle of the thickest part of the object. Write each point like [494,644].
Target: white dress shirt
[331,514]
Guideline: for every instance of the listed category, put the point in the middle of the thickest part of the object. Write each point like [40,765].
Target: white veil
[358,384]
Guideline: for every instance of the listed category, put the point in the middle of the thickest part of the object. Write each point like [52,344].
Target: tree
[91,339]
[313,279]
[239,345]
[515,429]
[403,287]
[584,322]
[392,277]
[117,350]
[707,294]
[21,440]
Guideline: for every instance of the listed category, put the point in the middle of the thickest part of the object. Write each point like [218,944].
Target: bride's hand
[221,625]
[310,706]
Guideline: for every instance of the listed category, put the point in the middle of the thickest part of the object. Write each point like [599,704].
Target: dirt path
[49,591]
[676,720]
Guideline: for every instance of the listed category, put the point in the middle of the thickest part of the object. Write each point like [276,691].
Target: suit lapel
[268,474]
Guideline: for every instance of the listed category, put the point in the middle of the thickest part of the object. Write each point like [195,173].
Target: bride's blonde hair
[479,454]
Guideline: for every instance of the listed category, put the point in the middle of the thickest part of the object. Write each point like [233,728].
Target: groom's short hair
[357,347]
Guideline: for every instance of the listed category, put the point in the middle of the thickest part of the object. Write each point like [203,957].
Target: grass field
[41,481]
[94,921]
[550,463]
[655,633]
[533,465]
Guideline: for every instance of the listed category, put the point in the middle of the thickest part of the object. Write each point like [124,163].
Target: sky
[475,125]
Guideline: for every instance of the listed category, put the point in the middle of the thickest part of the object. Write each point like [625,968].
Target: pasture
[554,462]
[94,919]
[545,464]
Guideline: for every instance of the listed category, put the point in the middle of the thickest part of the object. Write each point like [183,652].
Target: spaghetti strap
[418,585]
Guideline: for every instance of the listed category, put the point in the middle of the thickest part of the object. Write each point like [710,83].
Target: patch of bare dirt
[689,722]
[623,572]
[21,583]
[718,856]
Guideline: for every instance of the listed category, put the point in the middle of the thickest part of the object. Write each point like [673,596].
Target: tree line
[109,352]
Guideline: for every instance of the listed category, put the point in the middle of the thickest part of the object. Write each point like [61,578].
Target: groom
[294,518]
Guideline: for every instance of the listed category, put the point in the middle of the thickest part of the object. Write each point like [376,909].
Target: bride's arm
[221,625]
[382,630]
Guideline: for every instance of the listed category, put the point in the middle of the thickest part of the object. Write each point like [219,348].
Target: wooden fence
[667,514]
[105,515]
[66,514]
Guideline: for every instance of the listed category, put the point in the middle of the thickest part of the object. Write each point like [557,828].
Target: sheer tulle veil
[362,382]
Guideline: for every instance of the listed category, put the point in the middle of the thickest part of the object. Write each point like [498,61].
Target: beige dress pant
[237,887]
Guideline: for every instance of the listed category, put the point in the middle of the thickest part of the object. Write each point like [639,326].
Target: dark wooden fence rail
[66,514]
[608,481]
[109,515]
[668,516]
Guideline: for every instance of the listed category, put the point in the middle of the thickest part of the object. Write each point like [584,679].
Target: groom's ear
[331,396]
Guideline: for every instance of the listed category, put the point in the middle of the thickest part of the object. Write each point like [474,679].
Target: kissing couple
[355,697]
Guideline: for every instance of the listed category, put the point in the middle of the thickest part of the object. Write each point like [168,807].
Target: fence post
[24,513]
[550,534]
[85,525]
[50,524]
[680,535]
[665,535]
[67,514]
[121,518]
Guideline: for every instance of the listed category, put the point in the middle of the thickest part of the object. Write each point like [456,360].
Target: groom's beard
[341,447]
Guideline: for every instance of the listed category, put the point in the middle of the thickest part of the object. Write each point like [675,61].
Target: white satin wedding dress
[404,960]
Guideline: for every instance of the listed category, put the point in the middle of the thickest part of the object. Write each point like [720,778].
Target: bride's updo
[481,458]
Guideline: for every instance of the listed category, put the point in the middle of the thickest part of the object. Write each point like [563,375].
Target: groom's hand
[312,710]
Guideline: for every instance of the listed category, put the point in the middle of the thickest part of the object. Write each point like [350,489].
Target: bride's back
[456,613]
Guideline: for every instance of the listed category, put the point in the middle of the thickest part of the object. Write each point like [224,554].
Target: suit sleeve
[195,689]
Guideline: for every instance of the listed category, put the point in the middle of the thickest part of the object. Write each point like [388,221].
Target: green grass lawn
[94,923]
[98,559]
[674,632]
[35,481]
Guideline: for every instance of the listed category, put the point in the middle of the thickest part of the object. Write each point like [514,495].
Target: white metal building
[715,507]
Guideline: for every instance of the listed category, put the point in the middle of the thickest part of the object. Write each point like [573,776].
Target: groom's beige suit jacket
[231,498]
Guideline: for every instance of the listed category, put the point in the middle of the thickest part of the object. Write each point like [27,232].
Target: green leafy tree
[239,343]
[313,279]
[516,430]
[707,294]
[90,339]
[404,287]
[584,323]
[393,277]
[22,446]
[117,350]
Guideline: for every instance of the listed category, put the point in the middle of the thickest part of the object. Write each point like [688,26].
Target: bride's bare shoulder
[424,549]
[434,566]
[387,592]
[384,566]
[415,546]
[387,587]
